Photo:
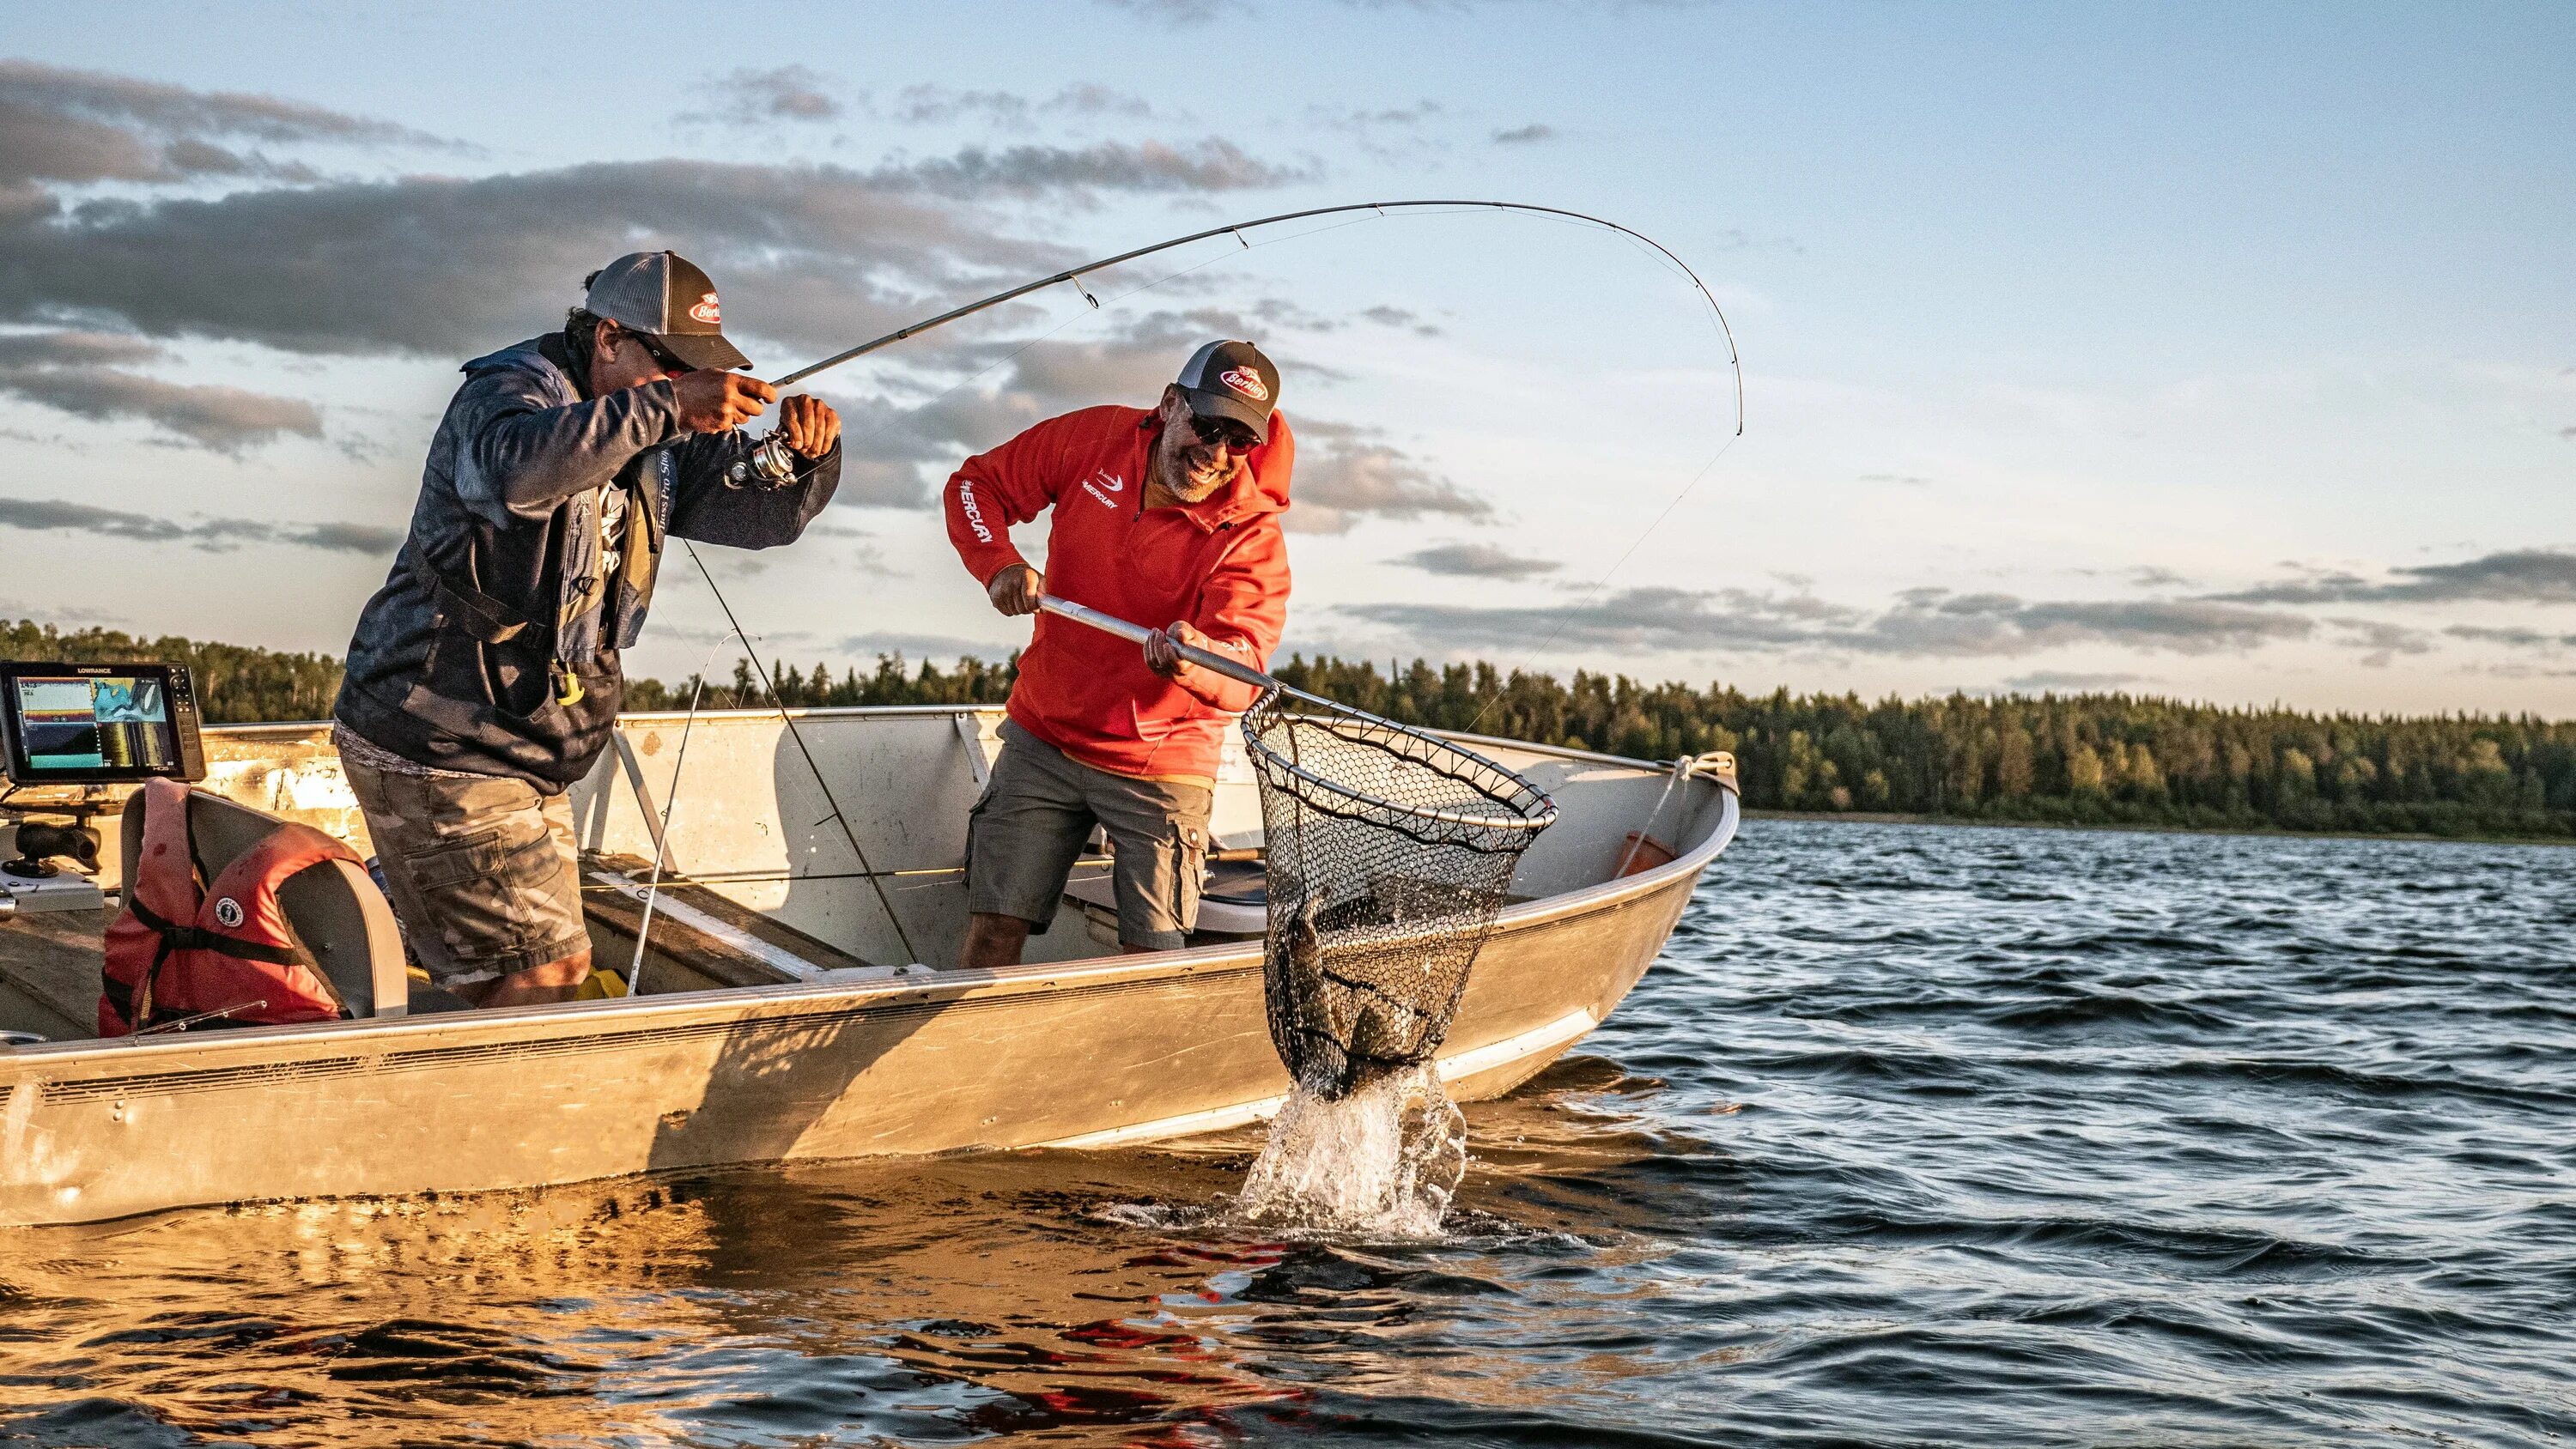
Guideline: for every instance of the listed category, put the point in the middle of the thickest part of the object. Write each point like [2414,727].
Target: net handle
[1236,670]
[1136,633]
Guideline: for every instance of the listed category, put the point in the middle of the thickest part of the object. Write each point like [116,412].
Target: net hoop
[1525,809]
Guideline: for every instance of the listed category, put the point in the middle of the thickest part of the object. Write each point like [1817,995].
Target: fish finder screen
[94,722]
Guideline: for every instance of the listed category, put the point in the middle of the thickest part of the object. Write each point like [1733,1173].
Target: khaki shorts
[1038,808]
[482,871]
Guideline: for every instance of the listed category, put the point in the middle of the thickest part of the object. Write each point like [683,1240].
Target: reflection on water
[1917,1135]
[918,1303]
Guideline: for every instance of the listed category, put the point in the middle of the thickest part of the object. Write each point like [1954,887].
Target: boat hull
[1070,1054]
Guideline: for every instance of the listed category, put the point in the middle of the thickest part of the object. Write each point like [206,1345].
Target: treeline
[2077,759]
[972,682]
[238,685]
[234,685]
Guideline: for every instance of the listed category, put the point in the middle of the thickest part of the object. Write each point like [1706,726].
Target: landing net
[1389,854]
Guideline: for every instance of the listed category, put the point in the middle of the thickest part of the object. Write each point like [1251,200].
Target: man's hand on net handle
[1162,648]
[1015,589]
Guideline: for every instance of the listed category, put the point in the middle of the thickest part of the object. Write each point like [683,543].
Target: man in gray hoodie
[483,678]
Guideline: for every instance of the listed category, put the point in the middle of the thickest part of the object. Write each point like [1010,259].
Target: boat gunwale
[92,1059]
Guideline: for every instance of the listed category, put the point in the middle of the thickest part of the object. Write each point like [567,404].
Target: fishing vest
[179,948]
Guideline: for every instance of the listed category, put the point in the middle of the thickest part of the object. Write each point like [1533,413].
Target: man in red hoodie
[1169,513]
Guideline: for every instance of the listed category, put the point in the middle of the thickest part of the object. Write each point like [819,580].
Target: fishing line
[1074,275]
[912,414]
[789,720]
[1617,564]
[1378,210]
[662,838]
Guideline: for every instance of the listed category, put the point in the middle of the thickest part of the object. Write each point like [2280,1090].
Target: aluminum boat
[797,998]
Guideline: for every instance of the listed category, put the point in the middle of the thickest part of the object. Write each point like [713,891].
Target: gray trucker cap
[665,294]
[1232,380]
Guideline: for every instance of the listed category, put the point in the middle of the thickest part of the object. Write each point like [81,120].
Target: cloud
[41,513]
[73,349]
[1461,7]
[2516,576]
[2567,432]
[1648,619]
[1390,135]
[1364,122]
[813,254]
[2381,642]
[1386,316]
[926,105]
[72,372]
[1089,98]
[1476,560]
[2512,638]
[1343,473]
[1168,12]
[345,537]
[453,266]
[1924,623]
[923,646]
[753,97]
[1199,12]
[2044,681]
[215,535]
[1153,166]
[1908,479]
[1528,135]
[894,449]
[78,127]
[937,105]
[1935,623]
[1347,473]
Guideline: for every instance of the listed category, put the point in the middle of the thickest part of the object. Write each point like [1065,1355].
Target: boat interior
[754,871]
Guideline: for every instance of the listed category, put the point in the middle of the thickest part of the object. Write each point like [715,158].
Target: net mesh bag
[1389,854]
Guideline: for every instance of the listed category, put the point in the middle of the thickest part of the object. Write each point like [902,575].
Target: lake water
[1916,1136]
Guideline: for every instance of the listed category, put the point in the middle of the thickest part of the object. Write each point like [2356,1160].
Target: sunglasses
[662,356]
[1223,433]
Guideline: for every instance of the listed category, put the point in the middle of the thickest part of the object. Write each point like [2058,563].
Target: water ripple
[1915,1136]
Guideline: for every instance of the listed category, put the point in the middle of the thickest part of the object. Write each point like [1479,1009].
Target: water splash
[1383,1162]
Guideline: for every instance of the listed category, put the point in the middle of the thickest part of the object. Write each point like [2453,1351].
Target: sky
[2210,351]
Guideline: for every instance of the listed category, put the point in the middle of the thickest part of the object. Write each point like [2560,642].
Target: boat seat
[338,911]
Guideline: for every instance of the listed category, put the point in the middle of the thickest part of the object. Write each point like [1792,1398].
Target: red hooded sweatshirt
[1221,564]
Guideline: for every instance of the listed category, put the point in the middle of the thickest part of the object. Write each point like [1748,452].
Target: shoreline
[1882,817]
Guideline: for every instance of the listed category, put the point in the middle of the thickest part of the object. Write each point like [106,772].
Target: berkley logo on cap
[1245,381]
[706,311]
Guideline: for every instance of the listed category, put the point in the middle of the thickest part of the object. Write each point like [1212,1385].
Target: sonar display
[95,722]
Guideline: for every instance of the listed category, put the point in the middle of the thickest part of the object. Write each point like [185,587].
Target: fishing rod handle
[1112,624]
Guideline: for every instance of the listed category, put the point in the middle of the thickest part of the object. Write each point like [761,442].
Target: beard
[1193,474]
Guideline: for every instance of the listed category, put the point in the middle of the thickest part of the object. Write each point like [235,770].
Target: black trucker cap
[1232,380]
[665,294]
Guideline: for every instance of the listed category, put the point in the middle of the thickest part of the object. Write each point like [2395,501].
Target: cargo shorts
[1038,808]
[482,870]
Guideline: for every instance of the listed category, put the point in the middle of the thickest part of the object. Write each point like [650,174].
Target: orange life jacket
[178,948]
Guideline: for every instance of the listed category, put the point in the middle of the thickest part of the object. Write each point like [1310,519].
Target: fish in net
[1389,854]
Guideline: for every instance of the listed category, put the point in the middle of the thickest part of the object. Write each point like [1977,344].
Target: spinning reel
[769,467]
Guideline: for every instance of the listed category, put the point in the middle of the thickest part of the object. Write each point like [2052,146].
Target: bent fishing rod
[774,470]
[1074,275]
